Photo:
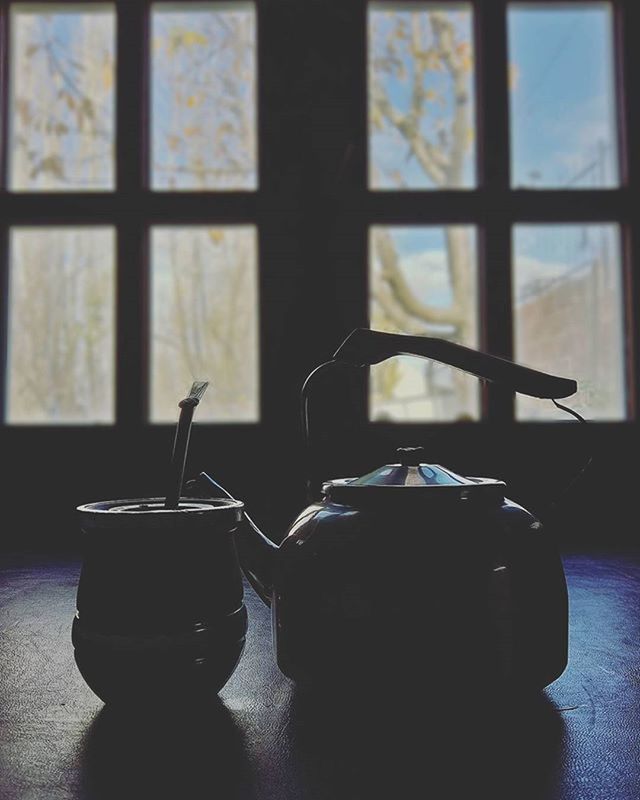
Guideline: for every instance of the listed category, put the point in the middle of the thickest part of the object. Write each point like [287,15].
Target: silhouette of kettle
[413,567]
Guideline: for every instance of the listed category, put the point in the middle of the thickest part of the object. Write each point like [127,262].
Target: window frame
[132,207]
[495,208]
[291,218]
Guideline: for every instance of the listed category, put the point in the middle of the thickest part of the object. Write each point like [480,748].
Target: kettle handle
[364,347]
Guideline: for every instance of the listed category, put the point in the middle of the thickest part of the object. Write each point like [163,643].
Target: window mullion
[132,96]
[131,169]
[302,85]
[493,153]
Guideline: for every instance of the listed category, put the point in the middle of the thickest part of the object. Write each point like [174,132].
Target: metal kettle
[412,566]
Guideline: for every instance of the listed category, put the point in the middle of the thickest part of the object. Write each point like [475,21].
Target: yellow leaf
[376,119]
[514,77]
[216,235]
[432,61]
[191,38]
[107,76]
[430,94]
[470,138]
[193,100]
[174,42]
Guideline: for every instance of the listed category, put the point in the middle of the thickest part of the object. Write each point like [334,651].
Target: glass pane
[203,96]
[61,325]
[205,321]
[62,97]
[421,101]
[562,96]
[569,315]
[423,281]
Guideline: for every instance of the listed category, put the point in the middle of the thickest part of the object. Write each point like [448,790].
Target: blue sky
[562,95]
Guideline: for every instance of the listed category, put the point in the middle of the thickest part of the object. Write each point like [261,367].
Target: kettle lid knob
[410,456]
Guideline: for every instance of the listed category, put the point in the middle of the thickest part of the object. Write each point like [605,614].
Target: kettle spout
[256,552]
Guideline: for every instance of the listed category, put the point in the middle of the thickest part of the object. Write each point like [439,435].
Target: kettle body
[412,570]
[439,586]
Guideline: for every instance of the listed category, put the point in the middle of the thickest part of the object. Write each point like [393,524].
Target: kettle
[412,566]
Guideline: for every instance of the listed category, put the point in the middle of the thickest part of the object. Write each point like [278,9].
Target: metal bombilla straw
[181,442]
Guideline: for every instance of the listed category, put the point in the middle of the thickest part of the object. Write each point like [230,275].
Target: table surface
[579,739]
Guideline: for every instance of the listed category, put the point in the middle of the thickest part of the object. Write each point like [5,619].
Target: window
[423,280]
[543,279]
[421,96]
[203,114]
[220,190]
[203,320]
[563,96]
[119,298]
[61,102]
[568,313]
[61,324]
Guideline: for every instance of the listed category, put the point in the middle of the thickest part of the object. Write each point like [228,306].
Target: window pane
[61,325]
[569,315]
[423,281]
[62,97]
[421,117]
[562,90]
[205,321]
[203,96]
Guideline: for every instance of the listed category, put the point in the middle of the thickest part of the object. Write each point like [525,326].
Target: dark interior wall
[312,212]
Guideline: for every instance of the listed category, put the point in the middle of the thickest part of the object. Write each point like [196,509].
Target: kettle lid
[411,473]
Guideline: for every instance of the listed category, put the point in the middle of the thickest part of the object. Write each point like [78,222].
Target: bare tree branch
[393,313]
[409,127]
[444,34]
[392,274]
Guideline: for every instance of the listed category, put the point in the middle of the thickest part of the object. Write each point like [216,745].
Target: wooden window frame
[132,208]
[313,221]
[496,208]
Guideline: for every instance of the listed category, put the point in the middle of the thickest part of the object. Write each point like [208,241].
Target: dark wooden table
[580,739]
